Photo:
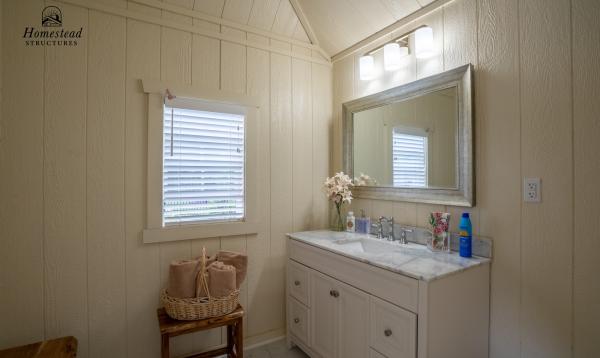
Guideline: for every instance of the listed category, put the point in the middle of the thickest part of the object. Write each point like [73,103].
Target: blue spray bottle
[466,234]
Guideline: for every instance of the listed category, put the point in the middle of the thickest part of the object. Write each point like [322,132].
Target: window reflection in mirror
[412,143]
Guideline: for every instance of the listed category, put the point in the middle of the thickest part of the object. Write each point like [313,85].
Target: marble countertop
[413,260]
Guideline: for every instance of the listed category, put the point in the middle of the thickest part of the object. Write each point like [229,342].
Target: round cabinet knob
[297,283]
[387,332]
[334,293]
[296,320]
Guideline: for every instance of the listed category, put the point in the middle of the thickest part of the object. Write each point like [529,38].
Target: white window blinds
[409,153]
[203,166]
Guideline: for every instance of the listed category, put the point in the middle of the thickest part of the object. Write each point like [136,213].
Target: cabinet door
[393,329]
[353,322]
[323,320]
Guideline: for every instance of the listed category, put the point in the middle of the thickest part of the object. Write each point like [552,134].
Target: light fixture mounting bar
[396,39]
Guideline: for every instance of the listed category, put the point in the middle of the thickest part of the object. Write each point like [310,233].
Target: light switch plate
[532,190]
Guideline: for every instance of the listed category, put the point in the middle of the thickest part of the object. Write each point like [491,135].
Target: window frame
[155,231]
[415,132]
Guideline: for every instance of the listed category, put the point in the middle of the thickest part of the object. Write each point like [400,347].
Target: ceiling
[277,16]
[334,24]
[339,24]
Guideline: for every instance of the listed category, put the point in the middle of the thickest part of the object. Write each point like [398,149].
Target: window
[206,166]
[203,165]
[409,157]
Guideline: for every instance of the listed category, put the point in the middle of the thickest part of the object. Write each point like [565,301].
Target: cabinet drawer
[298,320]
[393,287]
[393,329]
[297,282]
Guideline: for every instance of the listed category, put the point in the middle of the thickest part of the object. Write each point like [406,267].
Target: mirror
[413,142]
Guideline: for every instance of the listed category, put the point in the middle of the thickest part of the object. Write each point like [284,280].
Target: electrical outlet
[532,190]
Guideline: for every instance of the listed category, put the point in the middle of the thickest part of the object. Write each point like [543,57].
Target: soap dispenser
[363,223]
[350,222]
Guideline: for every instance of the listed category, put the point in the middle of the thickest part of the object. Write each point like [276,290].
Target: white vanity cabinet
[339,307]
[338,318]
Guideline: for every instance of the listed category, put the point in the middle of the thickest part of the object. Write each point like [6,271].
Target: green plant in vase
[338,191]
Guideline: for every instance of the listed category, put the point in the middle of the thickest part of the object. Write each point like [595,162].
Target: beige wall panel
[405,213]
[281,176]
[188,4]
[285,19]
[343,84]
[546,152]
[460,33]
[263,13]
[175,56]
[22,170]
[176,67]
[300,34]
[206,62]
[302,145]
[322,136]
[233,67]
[260,317]
[66,298]
[105,164]
[143,271]
[498,166]
[233,79]
[237,10]
[210,7]
[586,111]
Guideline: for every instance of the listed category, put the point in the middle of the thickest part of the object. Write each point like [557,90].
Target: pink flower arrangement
[338,191]
[439,226]
[337,188]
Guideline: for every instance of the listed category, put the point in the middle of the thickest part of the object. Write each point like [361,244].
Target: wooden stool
[170,327]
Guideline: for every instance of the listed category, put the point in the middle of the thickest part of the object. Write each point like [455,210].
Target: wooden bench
[65,347]
[235,347]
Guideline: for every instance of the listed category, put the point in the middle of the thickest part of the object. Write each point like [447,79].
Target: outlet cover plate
[532,190]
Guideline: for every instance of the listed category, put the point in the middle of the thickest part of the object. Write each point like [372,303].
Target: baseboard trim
[263,339]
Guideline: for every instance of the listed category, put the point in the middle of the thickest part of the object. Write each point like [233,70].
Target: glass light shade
[424,42]
[391,56]
[367,67]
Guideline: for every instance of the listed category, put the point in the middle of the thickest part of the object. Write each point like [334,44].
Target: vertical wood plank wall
[73,142]
[537,82]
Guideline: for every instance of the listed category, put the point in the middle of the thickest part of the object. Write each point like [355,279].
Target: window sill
[198,231]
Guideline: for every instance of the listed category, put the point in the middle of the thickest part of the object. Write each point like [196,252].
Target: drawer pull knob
[296,320]
[297,283]
[334,293]
[387,332]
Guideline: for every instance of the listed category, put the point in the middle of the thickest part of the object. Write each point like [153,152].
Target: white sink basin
[375,247]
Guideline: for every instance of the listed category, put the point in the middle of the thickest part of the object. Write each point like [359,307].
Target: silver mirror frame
[464,194]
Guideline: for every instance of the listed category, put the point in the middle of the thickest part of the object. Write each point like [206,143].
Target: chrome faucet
[403,232]
[390,221]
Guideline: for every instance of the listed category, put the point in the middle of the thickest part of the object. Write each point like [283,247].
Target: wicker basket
[190,309]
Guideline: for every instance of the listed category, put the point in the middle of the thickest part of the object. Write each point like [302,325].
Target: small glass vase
[337,221]
[440,238]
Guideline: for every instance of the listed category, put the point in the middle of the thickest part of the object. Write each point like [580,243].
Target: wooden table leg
[230,339]
[164,347]
[239,339]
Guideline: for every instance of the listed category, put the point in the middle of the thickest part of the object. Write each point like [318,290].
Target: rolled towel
[237,260]
[221,279]
[182,278]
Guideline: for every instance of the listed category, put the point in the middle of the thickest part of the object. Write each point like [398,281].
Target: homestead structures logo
[51,17]
[52,32]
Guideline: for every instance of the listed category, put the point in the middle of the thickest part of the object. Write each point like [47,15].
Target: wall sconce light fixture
[394,50]
[424,42]
[367,67]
